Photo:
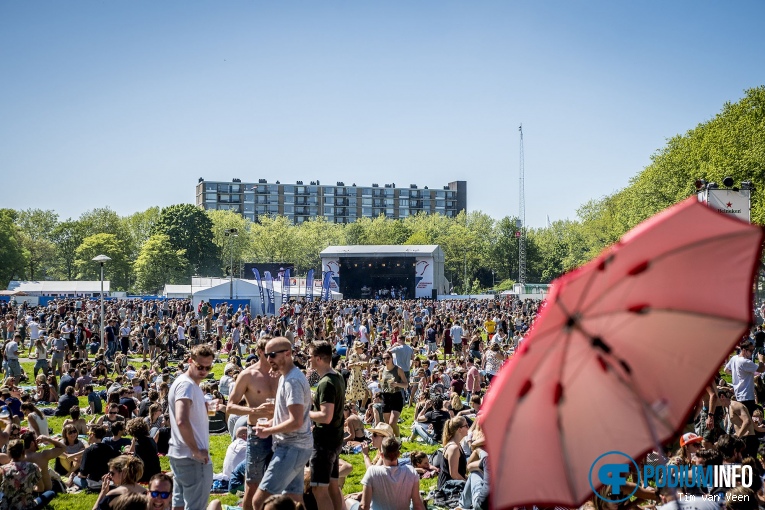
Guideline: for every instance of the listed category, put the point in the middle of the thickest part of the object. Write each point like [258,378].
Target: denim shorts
[285,471]
[258,456]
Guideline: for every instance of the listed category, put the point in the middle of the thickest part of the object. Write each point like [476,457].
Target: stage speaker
[435,294]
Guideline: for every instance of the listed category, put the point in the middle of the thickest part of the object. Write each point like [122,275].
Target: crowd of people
[300,388]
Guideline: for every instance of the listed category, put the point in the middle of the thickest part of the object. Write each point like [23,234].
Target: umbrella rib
[666,254]
[559,422]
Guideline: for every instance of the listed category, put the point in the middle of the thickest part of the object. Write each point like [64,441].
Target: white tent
[247,290]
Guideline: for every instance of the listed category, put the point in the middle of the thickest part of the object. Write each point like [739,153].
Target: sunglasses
[272,355]
[112,412]
[203,368]
[160,494]
[386,358]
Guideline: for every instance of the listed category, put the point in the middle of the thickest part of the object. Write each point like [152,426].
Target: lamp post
[466,280]
[231,233]
[102,259]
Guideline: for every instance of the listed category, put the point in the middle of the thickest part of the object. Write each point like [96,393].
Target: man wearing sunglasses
[190,439]
[255,385]
[290,427]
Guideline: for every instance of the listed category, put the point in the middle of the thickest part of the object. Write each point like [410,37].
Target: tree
[13,257]
[230,247]
[36,227]
[67,236]
[138,227]
[159,263]
[189,228]
[117,270]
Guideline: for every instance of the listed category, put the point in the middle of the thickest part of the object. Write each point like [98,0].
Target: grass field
[218,445]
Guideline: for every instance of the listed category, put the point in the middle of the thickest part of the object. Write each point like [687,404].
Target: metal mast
[521,224]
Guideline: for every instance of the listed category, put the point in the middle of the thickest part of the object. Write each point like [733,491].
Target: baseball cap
[383,428]
[690,438]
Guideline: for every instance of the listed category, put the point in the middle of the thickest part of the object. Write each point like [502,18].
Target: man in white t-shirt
[363,334]
[190,439]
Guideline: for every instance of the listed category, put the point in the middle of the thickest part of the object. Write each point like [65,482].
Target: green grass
[218,445]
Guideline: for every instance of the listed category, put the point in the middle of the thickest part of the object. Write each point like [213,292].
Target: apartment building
[339,203]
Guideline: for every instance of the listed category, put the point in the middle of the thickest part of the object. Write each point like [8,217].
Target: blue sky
[127,104]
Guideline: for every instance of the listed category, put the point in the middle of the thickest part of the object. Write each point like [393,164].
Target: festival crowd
[299,388]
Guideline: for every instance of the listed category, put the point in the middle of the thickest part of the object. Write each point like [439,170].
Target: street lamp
[102,259]
[466,280]
[231,233]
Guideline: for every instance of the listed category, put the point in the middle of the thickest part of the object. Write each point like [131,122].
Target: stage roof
[384,250]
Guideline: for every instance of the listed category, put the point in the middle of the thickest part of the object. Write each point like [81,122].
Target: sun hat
[383,428]
[690,438]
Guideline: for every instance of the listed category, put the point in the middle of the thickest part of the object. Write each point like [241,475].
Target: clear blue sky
[128,103]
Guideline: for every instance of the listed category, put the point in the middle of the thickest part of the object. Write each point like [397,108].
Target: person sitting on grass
[66,402]
[77,421]
[19,478]
[143,447]
[124,473]
[95,460]
[391,485]
[68,462]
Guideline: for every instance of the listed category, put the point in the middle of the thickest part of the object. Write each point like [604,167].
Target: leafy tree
[117,270]
[189,228]
[228,246]
[67,236]
[36,227]
[13,257]
[159,263]
[138,227]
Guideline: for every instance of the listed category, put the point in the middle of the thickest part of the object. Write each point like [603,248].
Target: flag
[269,291]
[260,288]
[325,286]
[309,285]
[286,286]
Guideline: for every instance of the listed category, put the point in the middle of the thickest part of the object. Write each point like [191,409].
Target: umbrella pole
[657,444]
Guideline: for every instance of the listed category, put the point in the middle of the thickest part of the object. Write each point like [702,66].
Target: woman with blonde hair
[36,419]
[454,465]
[124,471]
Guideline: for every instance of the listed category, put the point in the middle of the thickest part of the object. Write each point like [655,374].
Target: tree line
[168,245]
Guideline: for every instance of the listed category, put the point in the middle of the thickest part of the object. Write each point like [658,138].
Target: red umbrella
[620,353]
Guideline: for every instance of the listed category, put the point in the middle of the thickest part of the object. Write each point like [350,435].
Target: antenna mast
[521,223]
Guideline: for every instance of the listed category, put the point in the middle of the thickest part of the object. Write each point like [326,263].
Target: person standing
[327,414]
[393,384]
[12,356]
[190,439]
[290,427]
[743,369]
[256,385]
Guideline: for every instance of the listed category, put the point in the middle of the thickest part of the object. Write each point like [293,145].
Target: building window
[289,209]
[249,197]
[366,202]
[366,211]
[329,210]
[288,188]
[403,202]
[210,187]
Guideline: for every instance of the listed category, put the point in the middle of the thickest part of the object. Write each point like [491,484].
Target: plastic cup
[270,401]
[212,406]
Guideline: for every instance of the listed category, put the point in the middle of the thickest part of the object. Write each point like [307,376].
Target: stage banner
[260,288]
[286,286]
[270,292]
[325,285]
[309,285]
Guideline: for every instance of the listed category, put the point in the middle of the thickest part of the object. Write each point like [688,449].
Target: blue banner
[260,288]
[325,286]
[270,292]
[309,285]
[286,286]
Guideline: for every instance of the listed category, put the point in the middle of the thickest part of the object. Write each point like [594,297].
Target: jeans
[43,499]
[420,430]
[193,481]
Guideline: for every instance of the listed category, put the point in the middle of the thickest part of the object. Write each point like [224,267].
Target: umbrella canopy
[619,354]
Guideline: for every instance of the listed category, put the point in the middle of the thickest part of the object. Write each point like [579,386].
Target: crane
[521,222]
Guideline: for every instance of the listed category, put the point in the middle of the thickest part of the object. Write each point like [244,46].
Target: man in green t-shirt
[327,414]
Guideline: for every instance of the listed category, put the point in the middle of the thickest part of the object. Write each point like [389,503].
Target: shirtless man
[32,453]
[255,384]
[743,425]
[710,416]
